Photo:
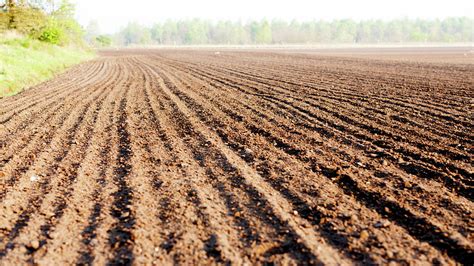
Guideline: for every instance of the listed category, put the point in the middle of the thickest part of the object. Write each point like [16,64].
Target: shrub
[28,21]
[103,40]
[4,21]
[55,27]
[52,33]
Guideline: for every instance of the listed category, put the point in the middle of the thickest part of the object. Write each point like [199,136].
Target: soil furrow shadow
[120,236]
[258,205]
[36,201]
[336,239]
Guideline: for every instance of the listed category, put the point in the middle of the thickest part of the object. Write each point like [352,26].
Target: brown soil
[197,157]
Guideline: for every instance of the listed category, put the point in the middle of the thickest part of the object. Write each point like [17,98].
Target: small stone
[295,212]
[237,214]
[34,244]
[34,178]
[384,163]
[364,235]
[2,174]
[48,213]
[353,218]
[23,249]
[407,184]
[381,224]
[389,254]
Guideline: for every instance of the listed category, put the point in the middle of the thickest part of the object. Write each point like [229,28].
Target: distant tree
[157,33]
[135,33]
[91,32]
[170,33]
[198,31]
[346,31]
[261,32]
[103,41]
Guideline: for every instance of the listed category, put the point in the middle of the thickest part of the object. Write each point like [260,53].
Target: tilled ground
[197,157]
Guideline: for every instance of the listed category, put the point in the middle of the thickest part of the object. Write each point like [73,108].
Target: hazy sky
[114,14]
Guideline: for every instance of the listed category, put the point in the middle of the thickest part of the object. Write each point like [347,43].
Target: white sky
[114,14]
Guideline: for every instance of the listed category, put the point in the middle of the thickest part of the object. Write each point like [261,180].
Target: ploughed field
[181,156]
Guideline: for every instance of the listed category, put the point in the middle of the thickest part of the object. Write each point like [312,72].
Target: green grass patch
[25,62]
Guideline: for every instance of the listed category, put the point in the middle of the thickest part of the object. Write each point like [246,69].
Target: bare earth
[242,157]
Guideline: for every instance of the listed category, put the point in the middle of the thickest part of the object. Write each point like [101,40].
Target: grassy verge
[25,62]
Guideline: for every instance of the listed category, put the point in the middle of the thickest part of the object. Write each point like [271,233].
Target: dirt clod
[382,224]
[34,178]
[364,235]
[35,244]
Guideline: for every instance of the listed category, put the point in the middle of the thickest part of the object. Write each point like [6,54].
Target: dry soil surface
[241,157]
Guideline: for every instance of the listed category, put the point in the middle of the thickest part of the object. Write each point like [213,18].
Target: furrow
[204,115]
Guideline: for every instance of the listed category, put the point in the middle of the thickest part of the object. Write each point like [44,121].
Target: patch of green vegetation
[37,39]
[25,62]
[103,41]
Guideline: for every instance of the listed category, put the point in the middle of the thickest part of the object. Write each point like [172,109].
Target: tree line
[199,31]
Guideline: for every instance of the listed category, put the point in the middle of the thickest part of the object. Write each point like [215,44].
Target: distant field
[438,53]
[223,156]
[435,54]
